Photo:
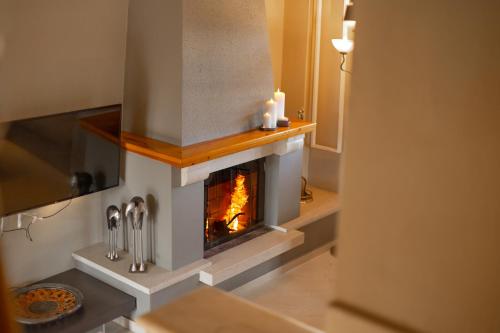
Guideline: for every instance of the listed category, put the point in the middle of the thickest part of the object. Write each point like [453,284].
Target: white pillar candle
[279,97]
[268,121]
[271,109]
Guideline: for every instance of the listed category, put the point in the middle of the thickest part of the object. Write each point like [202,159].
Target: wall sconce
[345,45]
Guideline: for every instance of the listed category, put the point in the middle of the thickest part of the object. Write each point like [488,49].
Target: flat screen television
[54,158]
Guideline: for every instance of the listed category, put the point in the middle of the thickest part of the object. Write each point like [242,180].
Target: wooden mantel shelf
[182,157]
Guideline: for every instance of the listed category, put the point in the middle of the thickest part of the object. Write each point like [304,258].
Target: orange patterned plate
[42,303]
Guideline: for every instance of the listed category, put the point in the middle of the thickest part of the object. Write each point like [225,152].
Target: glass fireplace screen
[234,202]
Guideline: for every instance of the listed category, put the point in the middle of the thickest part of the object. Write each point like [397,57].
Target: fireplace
[234,202]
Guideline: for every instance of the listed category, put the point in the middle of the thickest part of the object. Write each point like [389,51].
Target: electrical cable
[53,214]
[34,219]
[343,63]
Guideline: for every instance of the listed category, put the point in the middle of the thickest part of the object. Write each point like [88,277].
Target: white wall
[53,240]
[60,55]
[419,237]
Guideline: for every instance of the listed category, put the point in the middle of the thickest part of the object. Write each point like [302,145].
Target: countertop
[101,304]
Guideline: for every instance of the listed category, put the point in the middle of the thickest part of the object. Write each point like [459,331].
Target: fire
[206,228]
[239,199]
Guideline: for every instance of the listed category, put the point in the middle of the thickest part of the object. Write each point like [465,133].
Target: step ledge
[154,280]
[324,204]
[232,262]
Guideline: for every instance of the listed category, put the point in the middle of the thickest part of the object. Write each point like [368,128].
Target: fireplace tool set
[135,213]
[113,218]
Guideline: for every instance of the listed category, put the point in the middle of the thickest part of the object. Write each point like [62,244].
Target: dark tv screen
[58,157]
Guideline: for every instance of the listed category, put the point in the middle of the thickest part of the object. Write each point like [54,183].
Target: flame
[239,199]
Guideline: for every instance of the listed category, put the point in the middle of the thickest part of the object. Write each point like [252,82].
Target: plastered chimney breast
[227,71]
[196,69]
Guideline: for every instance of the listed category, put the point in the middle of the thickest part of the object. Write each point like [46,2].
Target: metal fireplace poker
[113,218]
[135,213]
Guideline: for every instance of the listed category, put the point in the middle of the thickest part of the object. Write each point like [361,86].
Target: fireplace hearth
[234,202]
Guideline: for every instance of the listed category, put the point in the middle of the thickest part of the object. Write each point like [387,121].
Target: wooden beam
[181,157]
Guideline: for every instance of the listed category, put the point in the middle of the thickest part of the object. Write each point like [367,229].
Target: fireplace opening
[234,202]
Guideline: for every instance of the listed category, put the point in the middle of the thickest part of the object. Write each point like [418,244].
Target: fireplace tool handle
[108,255]
[142,266]
[130,213]
[133,266]
[234,217]
[114,238]
[142,214]
[108,224]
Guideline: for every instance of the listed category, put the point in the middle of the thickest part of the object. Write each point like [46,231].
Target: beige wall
[60,55]
[295,44]
[275,13]
[420,232]
[329,74]
[289,23]
[292,60]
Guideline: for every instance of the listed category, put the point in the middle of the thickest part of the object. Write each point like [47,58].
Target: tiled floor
[302,293]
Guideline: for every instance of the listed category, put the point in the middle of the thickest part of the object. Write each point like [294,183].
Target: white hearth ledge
[222,266]
[200,172]
[154,280]
[245,256]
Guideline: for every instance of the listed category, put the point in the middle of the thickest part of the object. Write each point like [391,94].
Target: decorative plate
[45,302]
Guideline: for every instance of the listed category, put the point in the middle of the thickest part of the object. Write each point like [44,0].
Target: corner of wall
[153,80]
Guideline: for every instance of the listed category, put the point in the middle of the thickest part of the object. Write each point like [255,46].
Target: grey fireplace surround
[175,222]
[175,227]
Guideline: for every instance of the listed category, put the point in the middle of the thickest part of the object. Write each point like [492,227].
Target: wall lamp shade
[343,45]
